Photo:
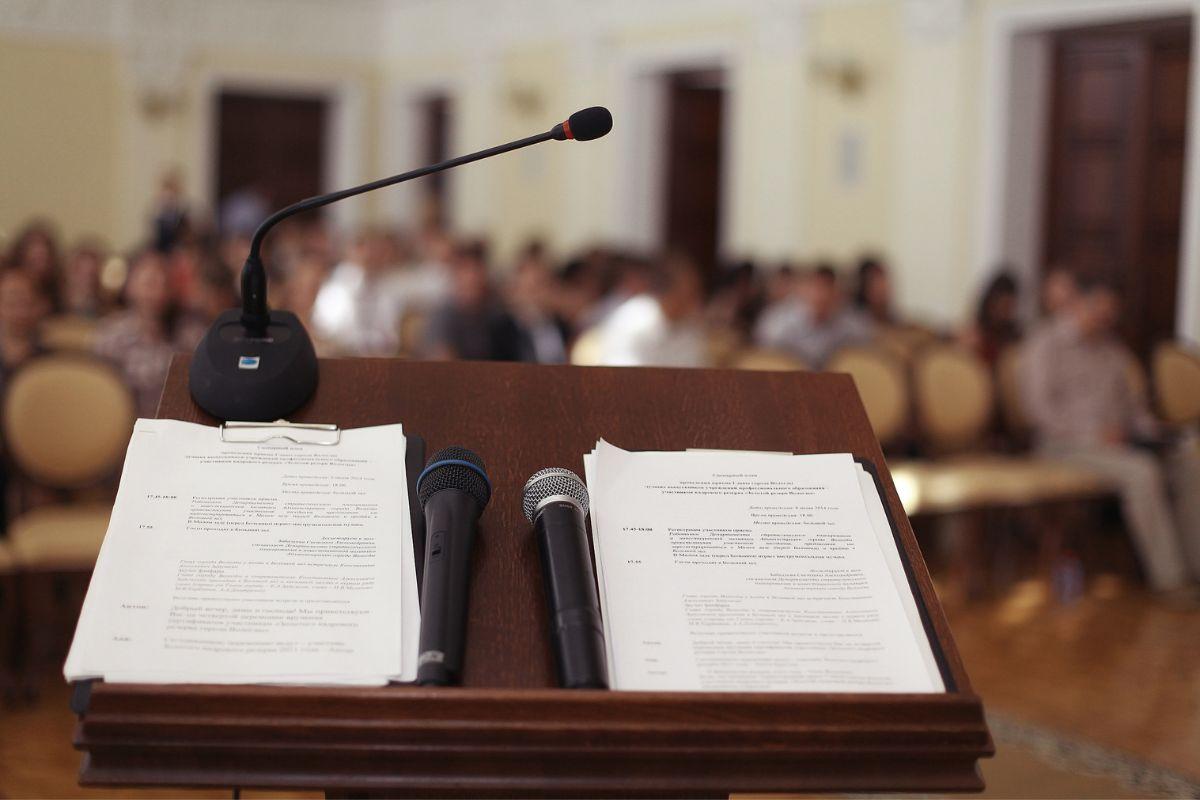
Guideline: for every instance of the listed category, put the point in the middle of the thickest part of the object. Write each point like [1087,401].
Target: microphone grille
[454,468]
[551,482]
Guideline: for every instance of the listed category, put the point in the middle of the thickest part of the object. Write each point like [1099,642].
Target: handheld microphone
[555,501]
[453,490]
[259,365]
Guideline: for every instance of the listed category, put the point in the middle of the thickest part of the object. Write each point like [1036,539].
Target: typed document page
[254,562]
[751,572]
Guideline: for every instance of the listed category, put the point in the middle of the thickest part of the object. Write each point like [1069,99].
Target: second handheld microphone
[453,490]
[556,502]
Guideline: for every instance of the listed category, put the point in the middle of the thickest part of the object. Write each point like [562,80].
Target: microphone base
[237,375]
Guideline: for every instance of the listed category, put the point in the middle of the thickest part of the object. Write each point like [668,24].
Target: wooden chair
[757,358]
[904,341]
[66,422]
[1176,376]
[723,345]
[69,332]
[954,398]
[883,386]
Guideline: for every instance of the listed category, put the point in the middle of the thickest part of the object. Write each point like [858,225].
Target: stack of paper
[737,571]
[254,562]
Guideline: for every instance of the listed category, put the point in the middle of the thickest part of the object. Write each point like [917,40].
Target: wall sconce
[525,100]
[159,74]
[843,73]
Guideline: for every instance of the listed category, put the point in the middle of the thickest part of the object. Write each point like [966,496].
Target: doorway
[271,149]
[435,120]
[695,109]
[1117,131]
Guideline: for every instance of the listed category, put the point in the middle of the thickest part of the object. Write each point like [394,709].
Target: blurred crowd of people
[434,296]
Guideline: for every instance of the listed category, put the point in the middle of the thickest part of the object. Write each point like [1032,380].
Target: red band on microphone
[567,129]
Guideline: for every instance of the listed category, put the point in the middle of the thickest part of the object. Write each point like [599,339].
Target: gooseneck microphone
[555,501]
[453,490]
[258,365]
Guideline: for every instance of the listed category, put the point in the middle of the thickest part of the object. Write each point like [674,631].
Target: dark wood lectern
[508,731]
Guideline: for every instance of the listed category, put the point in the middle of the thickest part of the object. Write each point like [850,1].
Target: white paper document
[254,562]
[735,571]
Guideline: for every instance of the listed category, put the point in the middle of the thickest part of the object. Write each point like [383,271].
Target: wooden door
[695,112]
[273,145]
[435,147]
[1117,134]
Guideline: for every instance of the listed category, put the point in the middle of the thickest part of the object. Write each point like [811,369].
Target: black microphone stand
[259,365]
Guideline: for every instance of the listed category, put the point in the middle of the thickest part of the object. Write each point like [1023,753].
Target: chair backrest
[722,345]
[882,384]
[67,420]
[954,397]
[588,350]
[68,332]
[757,358]
[904,341]
[1176,371]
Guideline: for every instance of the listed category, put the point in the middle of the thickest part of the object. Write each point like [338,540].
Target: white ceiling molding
[349,30]
[933,20]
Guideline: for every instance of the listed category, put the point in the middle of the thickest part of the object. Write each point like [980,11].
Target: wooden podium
[507,731]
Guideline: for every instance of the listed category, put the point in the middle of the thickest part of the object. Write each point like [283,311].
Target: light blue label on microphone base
[248,362]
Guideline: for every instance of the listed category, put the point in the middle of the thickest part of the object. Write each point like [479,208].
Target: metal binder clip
[244,432]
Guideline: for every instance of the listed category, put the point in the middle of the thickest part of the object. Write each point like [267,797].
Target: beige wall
[920,187]
[59,137]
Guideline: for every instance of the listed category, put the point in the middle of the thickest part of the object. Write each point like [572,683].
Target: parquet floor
[1113,668]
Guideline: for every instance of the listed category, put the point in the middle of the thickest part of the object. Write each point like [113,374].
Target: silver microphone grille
[553,482]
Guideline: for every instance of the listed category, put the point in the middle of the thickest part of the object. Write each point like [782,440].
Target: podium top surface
[520,418]
[508,731]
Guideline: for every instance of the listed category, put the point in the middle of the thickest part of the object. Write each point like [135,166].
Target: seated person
[815,323]
[533,296]
[661,327]
[1059,290]
[995,327]
[359,308]
[473,324]
[80,287]
[141,339]
[1086,410]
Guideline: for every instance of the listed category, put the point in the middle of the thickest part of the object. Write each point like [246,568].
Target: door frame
[1002,29]
[638,212]
[403,142]
[344,130]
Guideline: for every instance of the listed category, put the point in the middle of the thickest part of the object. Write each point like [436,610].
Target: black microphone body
[453,490]
[450,523]
[575,629]
[555,501]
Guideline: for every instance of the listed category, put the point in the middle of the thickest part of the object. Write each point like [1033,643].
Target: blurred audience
[996,326]
[360,307]
[660,327]
[141,339]
[533,298]
[35,252]
[82,294]
[1088,410]
[21,309]
[873,292]
[473,323]
[169,219]
[437,296]
[1059,290]
[813,322]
